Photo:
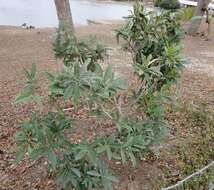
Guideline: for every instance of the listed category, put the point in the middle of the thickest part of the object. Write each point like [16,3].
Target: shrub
[154,42]
[156,62]
[168,4]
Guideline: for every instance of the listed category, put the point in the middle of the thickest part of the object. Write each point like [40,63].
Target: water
[42,13]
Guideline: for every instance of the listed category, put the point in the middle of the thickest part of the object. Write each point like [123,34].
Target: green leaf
[68,92]
[133,159]
[20,155]
[123,156]
[30,149]
[93,157]
[49,76]
[130,141]
[118,84]
[38,100]
[77,69]
[109,153]
[76,94]
[108,74]
[80,155]
[33,70]
[27,73]
[196,18]
[101,149]
[155,71]
[20,136]
[93,173]
[76,172]
[52,158]
[22,98]
[37,153]
[113,179]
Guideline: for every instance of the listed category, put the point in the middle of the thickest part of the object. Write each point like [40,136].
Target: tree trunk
[199,12]
[64,14]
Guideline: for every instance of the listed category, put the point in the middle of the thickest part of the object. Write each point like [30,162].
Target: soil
[20,47]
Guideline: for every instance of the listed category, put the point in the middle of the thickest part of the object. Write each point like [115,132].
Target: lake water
[42,13]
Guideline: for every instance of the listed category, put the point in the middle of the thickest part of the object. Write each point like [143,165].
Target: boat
[211,6]
[190,3]
[194,3]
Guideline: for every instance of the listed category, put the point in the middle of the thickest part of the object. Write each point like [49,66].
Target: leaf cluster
[29,91]
[76,165]
[72,50]
[94,87]
[154,41]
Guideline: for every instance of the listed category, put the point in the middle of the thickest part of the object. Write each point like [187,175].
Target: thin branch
[106,112]
[199,172]
[68,109]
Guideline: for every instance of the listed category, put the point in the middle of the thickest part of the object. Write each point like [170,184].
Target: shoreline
[93,23]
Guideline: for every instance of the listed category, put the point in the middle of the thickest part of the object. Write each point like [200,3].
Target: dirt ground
[20,47]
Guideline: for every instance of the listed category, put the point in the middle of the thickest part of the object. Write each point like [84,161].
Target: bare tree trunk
[199,12]
[64,14]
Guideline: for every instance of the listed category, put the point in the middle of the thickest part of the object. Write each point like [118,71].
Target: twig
[106,112]
[68,109]
[189,177]
[28,166]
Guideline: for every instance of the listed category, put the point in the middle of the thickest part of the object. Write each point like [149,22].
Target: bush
[153,40]
[167,4]
[187,13]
